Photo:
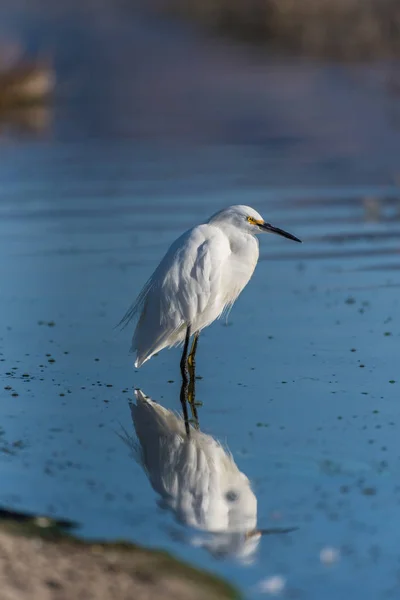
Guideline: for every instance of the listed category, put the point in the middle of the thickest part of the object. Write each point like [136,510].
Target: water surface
[302,382]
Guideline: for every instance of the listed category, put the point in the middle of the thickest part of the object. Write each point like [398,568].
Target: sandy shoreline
[39,561]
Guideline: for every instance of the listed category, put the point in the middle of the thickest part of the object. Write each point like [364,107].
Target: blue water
[301,386]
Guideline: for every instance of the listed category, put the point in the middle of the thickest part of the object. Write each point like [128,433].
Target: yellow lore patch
[255,221]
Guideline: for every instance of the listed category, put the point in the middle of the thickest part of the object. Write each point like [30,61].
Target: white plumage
[201,275]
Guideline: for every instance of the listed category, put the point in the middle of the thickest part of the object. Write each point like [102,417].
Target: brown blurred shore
[40,561]
[26,83]
[346,29]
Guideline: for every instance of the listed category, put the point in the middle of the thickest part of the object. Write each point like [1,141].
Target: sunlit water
[158,130]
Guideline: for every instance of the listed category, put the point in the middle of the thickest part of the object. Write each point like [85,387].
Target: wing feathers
[183,288]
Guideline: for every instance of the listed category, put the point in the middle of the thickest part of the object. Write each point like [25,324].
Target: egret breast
[241,265]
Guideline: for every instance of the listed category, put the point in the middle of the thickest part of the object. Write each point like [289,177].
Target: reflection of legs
[185,381]
[192,382]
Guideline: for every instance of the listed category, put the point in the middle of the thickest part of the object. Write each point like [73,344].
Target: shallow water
[302,383]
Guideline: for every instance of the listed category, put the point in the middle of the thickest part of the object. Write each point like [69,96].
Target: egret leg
[185,381]
[192,381]
[192,353]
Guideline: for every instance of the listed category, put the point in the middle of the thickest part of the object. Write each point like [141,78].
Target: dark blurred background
[304,92]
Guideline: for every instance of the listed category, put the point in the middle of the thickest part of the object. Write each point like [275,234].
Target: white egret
[201,275]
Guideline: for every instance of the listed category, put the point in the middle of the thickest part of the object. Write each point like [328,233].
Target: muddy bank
[40,559]
[347,29]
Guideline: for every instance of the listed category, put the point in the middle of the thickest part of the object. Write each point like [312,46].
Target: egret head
[248,220]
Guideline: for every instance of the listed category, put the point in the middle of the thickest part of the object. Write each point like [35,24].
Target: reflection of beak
[271,229]
[271,531]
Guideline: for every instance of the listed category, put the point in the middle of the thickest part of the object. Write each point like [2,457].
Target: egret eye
[250,220]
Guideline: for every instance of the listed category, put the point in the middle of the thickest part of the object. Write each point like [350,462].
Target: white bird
[200,277]
[197,480]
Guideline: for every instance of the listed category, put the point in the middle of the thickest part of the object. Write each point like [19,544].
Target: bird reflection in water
[197,480]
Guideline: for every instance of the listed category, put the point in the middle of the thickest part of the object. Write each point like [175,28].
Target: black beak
[272,229]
